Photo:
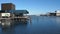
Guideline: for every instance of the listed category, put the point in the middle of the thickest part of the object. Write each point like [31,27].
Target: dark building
[19,12]
[7,6]
[52,14]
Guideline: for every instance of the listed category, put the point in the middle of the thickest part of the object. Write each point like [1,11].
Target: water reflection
[17,28]
[58,19]
[8,31]
[39,25]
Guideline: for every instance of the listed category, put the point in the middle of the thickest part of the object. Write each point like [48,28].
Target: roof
[19,11]
[7,3]
[15,11]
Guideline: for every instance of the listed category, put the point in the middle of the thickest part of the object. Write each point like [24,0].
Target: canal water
[38,25]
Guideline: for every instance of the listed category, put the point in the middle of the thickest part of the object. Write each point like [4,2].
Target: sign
[5,14]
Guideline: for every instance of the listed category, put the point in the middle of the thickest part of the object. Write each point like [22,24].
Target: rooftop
[19,11]
[7,3]
[15,11]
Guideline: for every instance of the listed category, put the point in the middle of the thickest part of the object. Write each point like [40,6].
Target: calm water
[39,25]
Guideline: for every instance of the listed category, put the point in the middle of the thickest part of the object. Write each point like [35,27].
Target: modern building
[52,14]
[57,13]
[10,8]
[19,12]
[7,6]
[13,13]
[8,13]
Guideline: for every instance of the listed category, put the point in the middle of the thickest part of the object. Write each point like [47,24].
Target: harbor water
[38,25]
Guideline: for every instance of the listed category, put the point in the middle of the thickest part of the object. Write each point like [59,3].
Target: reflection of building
[7,6]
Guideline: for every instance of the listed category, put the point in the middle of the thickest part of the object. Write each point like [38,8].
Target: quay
[10,21]
[24,18]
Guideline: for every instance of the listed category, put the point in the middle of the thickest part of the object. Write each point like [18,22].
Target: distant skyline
[35,6]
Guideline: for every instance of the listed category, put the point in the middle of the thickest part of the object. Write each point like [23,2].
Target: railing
[15,17]
[5,18]
[21,17]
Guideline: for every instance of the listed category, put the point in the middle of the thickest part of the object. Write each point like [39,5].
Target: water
[39,25]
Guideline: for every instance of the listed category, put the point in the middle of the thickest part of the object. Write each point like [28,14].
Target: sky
[35,7]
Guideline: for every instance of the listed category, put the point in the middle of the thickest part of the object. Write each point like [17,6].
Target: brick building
[7,6]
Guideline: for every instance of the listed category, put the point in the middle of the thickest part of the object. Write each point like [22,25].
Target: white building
[57,13]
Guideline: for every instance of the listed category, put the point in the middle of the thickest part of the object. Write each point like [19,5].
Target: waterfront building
[19,12]
[52,14]
[57,12]
[7,6]
[8,13]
